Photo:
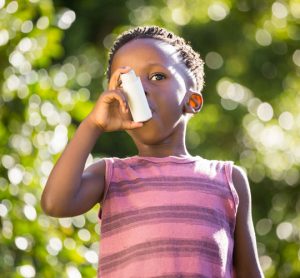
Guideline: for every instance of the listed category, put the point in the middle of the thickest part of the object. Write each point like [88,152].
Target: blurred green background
[52,62]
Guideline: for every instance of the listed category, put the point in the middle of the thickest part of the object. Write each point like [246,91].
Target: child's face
[166,81]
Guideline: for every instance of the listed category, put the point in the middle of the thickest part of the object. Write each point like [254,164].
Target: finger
[132,125]
[115,95]
[122,101]
[113,82]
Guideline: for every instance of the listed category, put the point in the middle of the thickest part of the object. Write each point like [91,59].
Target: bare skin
[71,190]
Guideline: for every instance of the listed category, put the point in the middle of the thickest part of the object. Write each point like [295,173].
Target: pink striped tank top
[167,217]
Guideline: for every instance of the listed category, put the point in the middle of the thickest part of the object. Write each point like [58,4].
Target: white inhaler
[137,100]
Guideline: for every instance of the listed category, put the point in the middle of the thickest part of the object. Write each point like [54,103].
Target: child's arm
[70,190]
[245,251]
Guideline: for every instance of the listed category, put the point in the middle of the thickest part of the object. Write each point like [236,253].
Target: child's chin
[150,133]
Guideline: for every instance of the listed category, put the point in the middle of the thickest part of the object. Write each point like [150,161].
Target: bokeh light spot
[42,23]
[12,7]
[13,82]
[84,79]
[73,272]
[78,221]
[21,243]
[228,104]
[16,59]
[30,212]
[213,60]
[279,10]
[265,262]
[65,222]
[7,161]
[15,174]
[27,271]
[284,230]
[27,26]
[292,177]
[84,234]
[46,167]
[3,210]
[4,37]
[263,226]
[34,118]
[286,120]
[60,79]
[54,246]
[66,19]
[296,57]
[218,11]
[30,199]
[91,256]
[181,16]
[70,243]
[265,112]
[263,37]
[25,45]
[272,137]
[2,3]
[59,139]
[65,97]
[295,9]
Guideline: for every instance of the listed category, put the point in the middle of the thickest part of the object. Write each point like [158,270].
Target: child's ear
[193,102]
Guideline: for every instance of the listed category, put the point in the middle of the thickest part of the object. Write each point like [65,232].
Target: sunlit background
[53,57]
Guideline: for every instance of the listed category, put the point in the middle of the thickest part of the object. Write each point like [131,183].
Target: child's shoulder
[103,164]
[97,167]
[235,176]
[240,182]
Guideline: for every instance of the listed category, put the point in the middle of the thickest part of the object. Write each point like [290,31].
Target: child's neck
[172,145]
[163,151]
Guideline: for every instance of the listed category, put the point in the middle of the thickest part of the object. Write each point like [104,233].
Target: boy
[164,213]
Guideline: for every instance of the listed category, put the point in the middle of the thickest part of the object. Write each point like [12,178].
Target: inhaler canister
[137,100]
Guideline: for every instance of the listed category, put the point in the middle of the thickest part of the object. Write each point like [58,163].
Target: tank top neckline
[171,158]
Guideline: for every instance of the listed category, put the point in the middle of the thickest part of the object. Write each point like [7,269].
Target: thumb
[131,125]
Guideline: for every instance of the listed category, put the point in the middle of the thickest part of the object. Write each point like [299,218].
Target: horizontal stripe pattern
[163,247]
[165,184]
[181,275]
[164,217]
[144,163]
[195,215]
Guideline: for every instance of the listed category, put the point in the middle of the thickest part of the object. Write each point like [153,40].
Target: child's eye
[157,76]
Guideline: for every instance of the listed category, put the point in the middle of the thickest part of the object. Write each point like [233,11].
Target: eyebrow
[156,64]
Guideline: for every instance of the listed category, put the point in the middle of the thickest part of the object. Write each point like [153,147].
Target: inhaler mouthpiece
[137,100]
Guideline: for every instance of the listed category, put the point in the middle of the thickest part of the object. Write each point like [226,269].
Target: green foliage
[53,59]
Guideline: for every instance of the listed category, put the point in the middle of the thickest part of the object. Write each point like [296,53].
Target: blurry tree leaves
[53,57]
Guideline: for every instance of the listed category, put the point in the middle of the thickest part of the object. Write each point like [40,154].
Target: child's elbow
[54,207]
[48,206]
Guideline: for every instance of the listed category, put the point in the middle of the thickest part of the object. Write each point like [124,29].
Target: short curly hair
[191,58]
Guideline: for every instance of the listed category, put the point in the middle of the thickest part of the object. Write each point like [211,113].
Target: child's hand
[111,111]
